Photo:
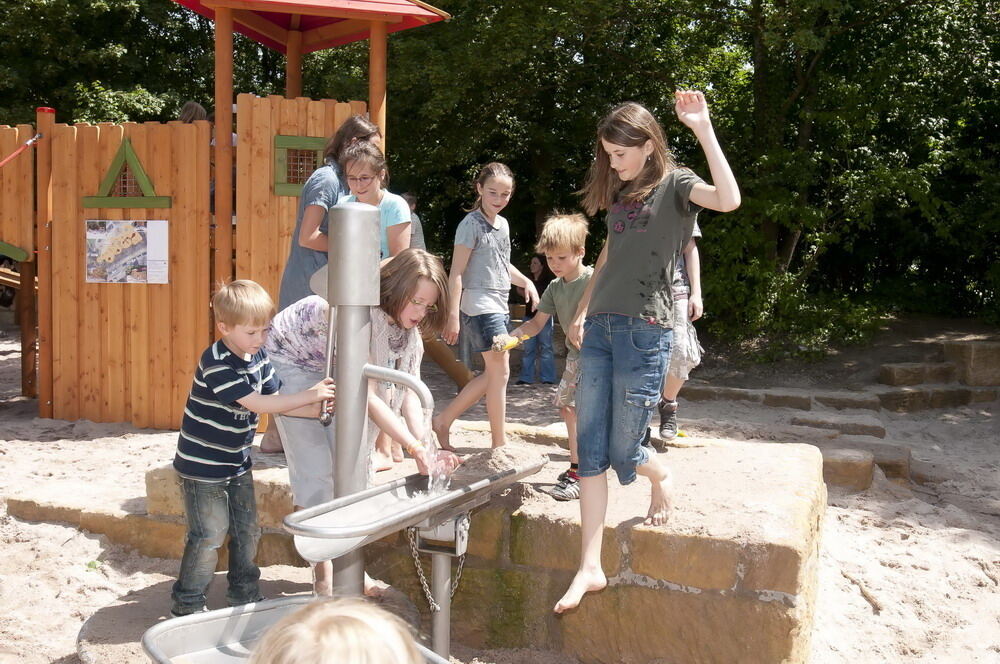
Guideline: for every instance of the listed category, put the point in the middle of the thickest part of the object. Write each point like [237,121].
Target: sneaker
[668,419]
[563,475]
[175,614]
[522,382]
[567,489]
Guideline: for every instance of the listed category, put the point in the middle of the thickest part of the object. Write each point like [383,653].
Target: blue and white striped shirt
[217,432]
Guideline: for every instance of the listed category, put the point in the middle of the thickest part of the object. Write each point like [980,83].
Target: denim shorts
[622,362]
[481,329]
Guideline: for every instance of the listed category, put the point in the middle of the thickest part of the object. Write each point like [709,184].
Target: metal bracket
[450,537]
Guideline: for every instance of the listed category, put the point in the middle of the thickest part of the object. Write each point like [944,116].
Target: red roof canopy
[323,23]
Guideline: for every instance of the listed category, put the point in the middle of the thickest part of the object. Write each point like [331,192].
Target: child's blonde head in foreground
[242,302]
[563,233]
[338,631]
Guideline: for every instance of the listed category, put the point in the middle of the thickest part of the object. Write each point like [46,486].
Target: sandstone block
[616,625]
[940,372]
[903,373]
[850,469]
[978,362]
[905,399]
[487,534]
[924,472]
[274,498]
[848,400]
[787,399]
[695,561]
[981,394]
[892,458]
[540,540]
[853,425]
[709,392]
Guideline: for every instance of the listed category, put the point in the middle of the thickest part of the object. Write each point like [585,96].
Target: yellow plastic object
[681,433]
[499,345]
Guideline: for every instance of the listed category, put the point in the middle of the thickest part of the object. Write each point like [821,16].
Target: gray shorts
[686,352]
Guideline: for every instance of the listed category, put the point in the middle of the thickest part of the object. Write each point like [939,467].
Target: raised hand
[691,108]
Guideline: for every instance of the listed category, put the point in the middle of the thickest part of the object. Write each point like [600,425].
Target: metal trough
[330,530]
[226,635]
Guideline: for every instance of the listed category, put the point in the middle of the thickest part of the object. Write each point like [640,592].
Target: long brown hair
[367,154]
[631,125]
[494,169]
[399,279]
[356,128]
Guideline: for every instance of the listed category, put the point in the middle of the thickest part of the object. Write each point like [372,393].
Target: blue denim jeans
[621,370]
[215,509]
[482,328]
[539,348]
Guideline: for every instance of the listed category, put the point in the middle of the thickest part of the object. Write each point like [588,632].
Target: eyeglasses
[364,180]
[429,308]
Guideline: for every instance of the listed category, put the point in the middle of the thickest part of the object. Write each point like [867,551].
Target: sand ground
[908,573]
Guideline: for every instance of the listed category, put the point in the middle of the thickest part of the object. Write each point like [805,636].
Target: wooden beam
[331,31]
[27,317]
[293,65]
[260,24]
[223,260]
[377,55]
[307,10]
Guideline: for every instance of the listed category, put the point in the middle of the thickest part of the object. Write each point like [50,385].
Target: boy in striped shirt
[233,383]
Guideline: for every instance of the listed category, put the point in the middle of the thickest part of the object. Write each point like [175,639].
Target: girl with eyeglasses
[364,167]
[413,301]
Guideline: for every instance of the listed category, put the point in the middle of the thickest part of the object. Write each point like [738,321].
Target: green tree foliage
[115,60]
[864,133]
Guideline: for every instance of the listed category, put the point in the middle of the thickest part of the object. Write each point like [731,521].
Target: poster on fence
[127,252]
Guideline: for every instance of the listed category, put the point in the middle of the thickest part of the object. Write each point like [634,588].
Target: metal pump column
[352,287]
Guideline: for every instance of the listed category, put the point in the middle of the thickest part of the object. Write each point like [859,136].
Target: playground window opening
[299,165]
[125,184]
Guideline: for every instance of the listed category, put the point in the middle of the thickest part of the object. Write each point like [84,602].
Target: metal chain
[435,607]
[411,533]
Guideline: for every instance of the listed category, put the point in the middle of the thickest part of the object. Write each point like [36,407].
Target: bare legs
[569,417]
[492,383]
[589,576]
[593,509]
[672,387]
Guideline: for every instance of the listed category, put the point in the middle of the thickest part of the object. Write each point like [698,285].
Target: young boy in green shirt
[562,242]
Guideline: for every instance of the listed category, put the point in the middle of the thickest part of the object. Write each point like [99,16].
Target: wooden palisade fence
[116,352]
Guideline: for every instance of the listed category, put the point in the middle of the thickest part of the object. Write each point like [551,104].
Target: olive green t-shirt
[561,298]
[645,238]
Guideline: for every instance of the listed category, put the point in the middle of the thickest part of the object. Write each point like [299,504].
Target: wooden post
[27,319]
[377,55]
[45,120]
[223,261]
[293,64]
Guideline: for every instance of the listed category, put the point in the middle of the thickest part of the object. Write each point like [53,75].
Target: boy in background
[562,242]
[234,382]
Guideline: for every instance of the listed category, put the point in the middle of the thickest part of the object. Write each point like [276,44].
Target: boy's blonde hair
[563,231]
[242,302]
[338,631]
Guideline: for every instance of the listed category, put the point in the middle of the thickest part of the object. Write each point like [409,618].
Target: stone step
[915,398]
[892,457]
[848,468]
[916,373]
[864,425]
[978,362]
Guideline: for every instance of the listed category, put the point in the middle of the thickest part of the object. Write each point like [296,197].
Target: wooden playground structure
[125,352]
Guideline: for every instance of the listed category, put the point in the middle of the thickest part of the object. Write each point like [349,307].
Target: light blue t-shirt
[486,279]
[323,188]
[393,210]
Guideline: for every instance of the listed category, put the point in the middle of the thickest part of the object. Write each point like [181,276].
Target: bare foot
[659,502]
[443,433]
[585,581]
[375,587]
[381,462]
[397,452]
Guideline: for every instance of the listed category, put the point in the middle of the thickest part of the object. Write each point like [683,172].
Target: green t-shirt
[645,239]
[561,299]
